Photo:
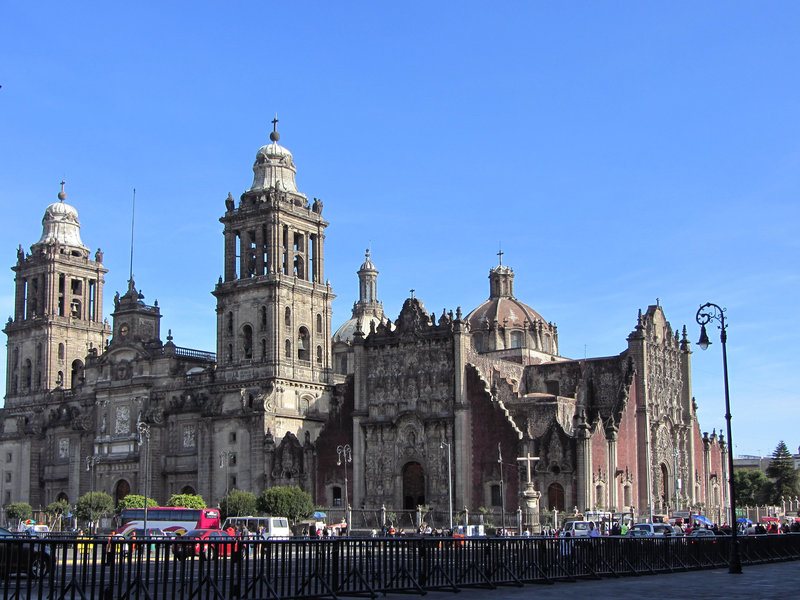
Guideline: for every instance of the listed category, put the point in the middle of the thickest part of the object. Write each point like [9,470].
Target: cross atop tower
[500,256]
[275,136]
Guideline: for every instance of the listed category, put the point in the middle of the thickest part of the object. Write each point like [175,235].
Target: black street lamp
[705,314]
[225,457]
[91,461]
[345,454]
[143,431]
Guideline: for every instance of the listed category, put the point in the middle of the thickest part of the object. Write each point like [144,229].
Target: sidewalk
[760,582]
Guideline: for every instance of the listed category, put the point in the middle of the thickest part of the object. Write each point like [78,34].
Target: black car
[22,553]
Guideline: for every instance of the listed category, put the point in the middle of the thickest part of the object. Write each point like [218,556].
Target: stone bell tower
[58,309]
[273,303]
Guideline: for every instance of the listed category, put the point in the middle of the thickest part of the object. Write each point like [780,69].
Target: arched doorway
[663,487]
[413,485]
[122,489]
[555,497]
[187,489]
[62,497]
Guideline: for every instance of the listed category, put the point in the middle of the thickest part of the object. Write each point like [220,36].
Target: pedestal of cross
[531,497]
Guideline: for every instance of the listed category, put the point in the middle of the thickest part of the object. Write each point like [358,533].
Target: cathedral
[480,404]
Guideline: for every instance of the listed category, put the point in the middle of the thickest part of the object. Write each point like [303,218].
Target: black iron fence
[190,569]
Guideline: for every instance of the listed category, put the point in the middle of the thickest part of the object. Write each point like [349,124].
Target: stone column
[259,250]
[532,498]
[244,254]
[613,492]
[584,466]
[230,255]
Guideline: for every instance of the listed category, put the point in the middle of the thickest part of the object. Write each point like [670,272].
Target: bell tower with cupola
[58,309]
[273,302]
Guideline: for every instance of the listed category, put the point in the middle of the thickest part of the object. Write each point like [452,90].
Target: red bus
[170,519]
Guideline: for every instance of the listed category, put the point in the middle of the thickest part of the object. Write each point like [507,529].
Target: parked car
[655,529]
[205,543]
[702,533]
[576,528]
[638,533]
[23,554]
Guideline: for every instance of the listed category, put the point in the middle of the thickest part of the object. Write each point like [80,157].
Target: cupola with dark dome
[504,325]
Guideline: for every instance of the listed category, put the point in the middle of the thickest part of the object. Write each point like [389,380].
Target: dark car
[205,543]
[23,554]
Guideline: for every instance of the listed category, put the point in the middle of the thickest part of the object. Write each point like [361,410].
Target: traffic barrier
[178,569]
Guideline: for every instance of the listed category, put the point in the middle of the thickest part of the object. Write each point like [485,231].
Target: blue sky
[618,151]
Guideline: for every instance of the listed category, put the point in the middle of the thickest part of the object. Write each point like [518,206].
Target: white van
[576,528]
[275,528]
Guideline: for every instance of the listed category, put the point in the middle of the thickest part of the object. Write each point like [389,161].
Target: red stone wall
[627,448]
[338,431]
[490,426]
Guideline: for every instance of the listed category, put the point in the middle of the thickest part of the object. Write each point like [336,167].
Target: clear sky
[619,152]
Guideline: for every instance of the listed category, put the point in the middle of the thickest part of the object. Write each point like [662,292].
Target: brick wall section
[338,431]
[490,425]
[627,450]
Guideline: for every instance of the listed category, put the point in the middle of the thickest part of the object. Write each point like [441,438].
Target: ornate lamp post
[449,484]
[91,461]
[706,313]
[225,462]
[143,430]
[345,454]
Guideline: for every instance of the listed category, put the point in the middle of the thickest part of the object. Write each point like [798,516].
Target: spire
[367,282]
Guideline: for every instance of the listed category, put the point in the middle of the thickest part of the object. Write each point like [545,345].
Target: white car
[577,528]
[655,529]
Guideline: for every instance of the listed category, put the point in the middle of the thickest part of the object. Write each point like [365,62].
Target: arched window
[61,352]
[627,495]
[288,349]
[247,341]
[546,343]
[26,374]
[263,349]
[303,344]
[599,496]
[287,317]
[496,495]
[77,373]
[477,342]
[319,323]
[319,355]
[343,365]
[263,318]
[299,267]
[230,353]
[230,322]
[516,339]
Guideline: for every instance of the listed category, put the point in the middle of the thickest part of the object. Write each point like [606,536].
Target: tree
[783,474]
[237,504]
[187,501]
[19,511]
[134,501]
[752,487]
[56,510]
[93,505]
[286,501]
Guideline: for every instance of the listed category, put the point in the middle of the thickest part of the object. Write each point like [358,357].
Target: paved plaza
[760,582]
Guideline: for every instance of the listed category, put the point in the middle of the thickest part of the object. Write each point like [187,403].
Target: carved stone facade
[282,393]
